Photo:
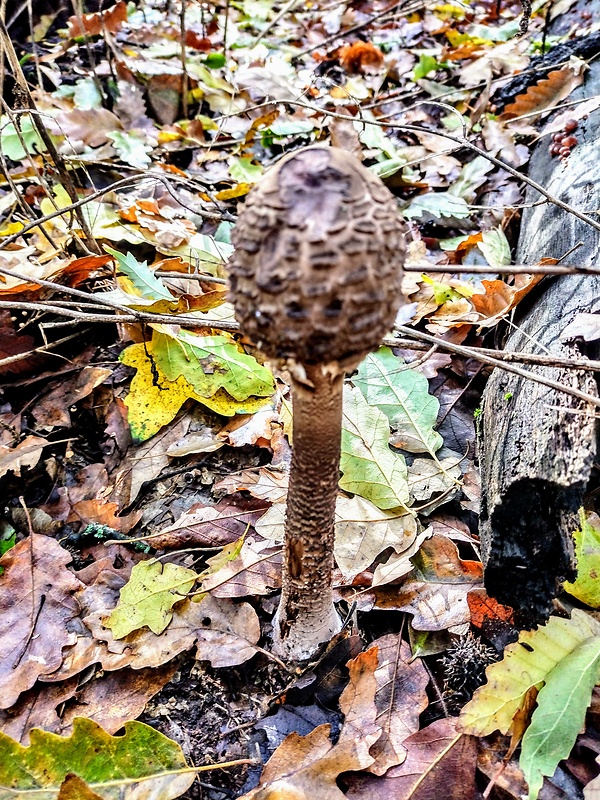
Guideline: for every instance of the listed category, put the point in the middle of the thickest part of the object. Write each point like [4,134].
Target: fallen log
[537,446]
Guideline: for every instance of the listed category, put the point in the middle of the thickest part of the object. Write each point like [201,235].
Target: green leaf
[526,663]
[141,763]
[141,276]
[11,143]
[425,65]
[243,170]
[586,586]
[148,597]
[560,713]
[437,207]
[370,468]
[131,149]
[86,95]
[210,363]
[495,247]
[214,60]
[403,396]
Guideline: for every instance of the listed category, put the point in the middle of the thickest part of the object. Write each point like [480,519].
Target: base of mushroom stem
[305,637]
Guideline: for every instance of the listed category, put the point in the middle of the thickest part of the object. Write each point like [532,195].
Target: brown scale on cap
[315,280]
[319,249]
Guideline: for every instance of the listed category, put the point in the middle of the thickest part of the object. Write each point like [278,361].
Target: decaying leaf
[306,767]
[36,607]
[112,766]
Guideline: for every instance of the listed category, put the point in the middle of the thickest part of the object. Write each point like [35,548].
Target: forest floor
[145,446]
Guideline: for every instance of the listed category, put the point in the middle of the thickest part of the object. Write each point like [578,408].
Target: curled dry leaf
[307,767]
[547,93]
[26,454]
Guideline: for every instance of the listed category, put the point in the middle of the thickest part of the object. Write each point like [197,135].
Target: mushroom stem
[306,616]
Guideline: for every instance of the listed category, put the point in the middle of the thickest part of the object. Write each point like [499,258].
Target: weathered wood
[536,445]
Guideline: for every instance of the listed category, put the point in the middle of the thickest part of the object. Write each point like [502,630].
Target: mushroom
[315,281]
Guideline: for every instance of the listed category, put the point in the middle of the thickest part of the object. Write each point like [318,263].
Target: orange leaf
[93,24]
[360,57]
[546,93]
[500,298]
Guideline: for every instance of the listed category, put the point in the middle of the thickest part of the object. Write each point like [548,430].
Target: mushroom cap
[319,249]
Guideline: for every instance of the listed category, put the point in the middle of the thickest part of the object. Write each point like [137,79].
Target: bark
[306,617]
[537,445]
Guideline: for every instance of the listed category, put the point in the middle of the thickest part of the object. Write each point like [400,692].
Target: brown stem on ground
[306,617]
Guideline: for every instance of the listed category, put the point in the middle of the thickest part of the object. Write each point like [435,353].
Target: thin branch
[496,362]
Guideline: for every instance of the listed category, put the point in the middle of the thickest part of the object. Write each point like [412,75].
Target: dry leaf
[306,767]
[400,698]
[36,607]
[439,763]
[547,93]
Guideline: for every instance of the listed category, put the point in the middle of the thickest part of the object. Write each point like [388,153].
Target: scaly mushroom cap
[319,249]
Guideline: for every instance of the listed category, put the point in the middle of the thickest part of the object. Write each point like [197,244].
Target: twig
[42,349]
[496,362]
[508,269]
[342,34]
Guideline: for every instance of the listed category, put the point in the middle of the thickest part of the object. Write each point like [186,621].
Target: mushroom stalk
[306,616]
[315,279]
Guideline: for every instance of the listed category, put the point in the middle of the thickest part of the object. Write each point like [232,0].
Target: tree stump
[536,445]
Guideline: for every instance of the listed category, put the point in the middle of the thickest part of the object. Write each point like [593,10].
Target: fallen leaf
[586,586]
[53,409]
[211,526]
[403,396]
[26,454]
[437,756]
[306,767]
[36,607]
[526,663]
[148,597]
[370,469]
[139,759]
[436,593]
[362,532]
[400,698]
[256,570]
[548,92]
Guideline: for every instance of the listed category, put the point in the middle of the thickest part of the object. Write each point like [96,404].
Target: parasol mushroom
[315,280]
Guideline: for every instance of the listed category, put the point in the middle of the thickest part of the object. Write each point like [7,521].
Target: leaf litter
[141,566]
